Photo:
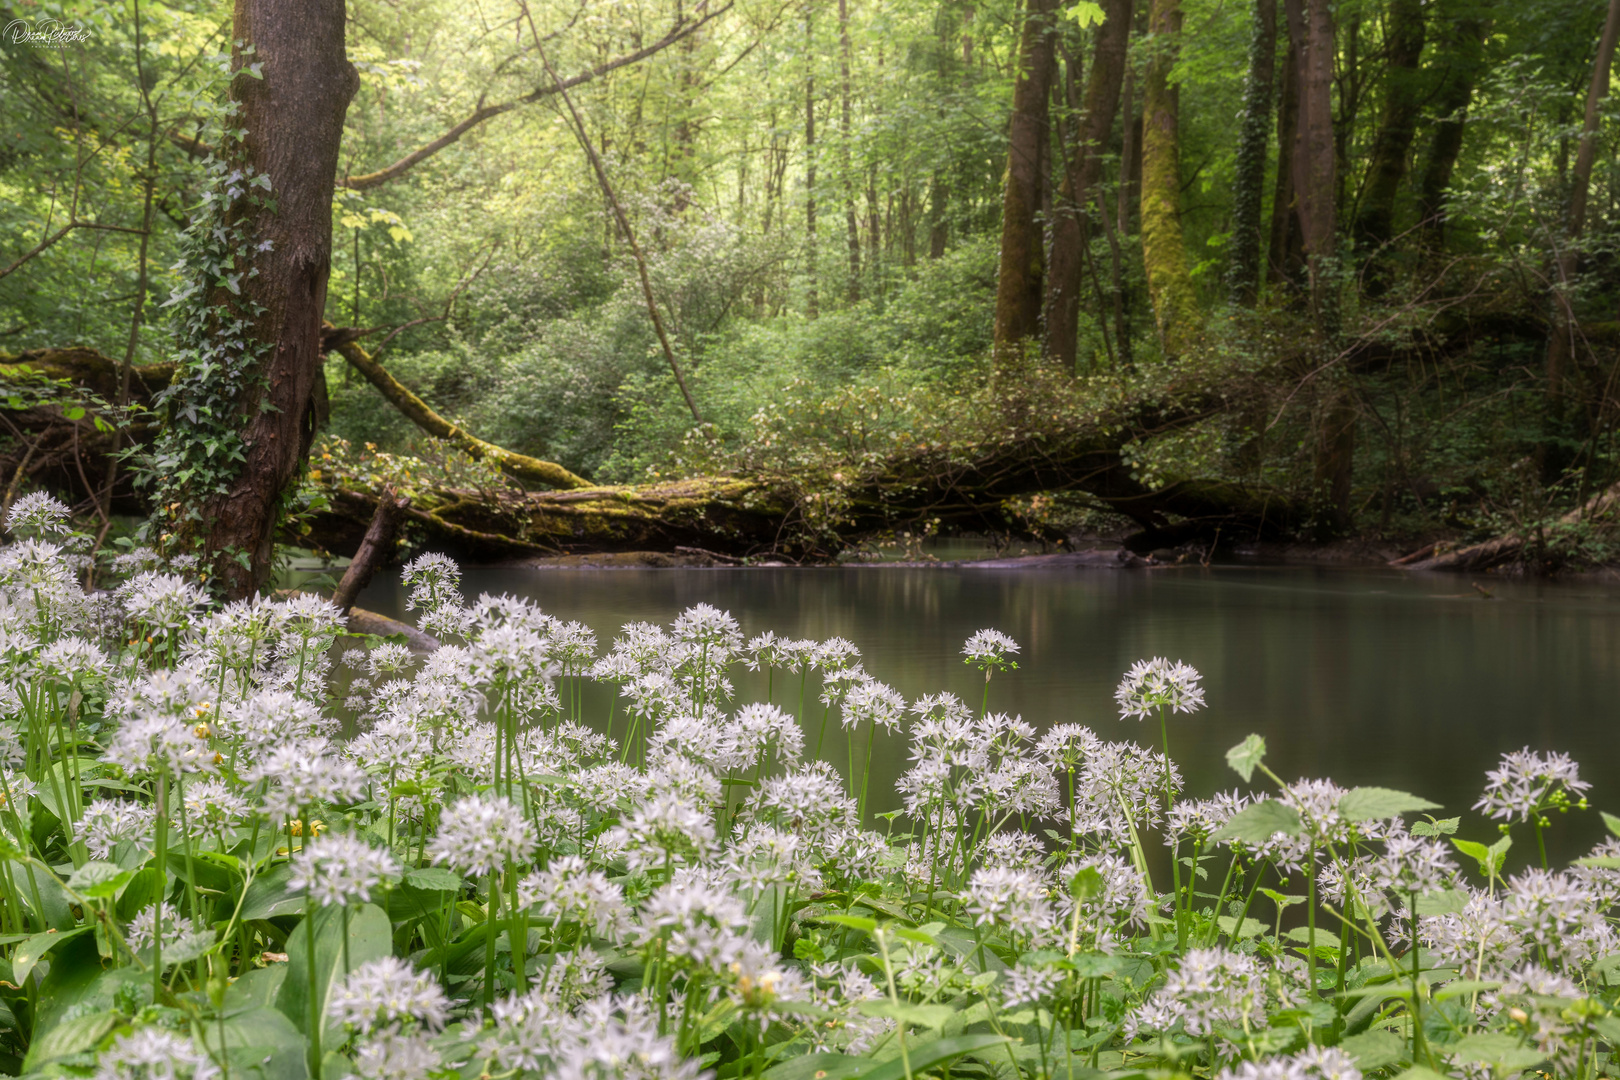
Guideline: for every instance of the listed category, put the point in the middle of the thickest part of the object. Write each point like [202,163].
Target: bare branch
[393,172]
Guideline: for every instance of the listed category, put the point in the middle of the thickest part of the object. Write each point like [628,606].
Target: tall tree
[1164,252]
[1402,103]
[1311,26]
[811,254]
[292,87]
[1460,56]
[1021,276]
[1082,172]
[852,226]
[1249,179]
[1580,183]
[1284,258]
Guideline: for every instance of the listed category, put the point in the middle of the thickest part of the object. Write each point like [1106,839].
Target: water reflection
[1364,676]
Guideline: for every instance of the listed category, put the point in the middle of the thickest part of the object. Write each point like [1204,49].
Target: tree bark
[852,291]
[1462,50]
[293,123]
[1164,254]
[1021,277]
[1082,173]
[1249,180]
[1314,160]
[374,549]
[1285,260]
[812,302]
[1403,101]
[1580,181]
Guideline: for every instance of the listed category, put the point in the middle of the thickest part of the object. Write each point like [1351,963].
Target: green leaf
[434,879]
[1086,13]
[1497,1050]
[1259,822]
[1374,1049]
[35,948]
[924,1016]
[99,880]
[370,938]
[1490,859]
[1612,822]
[268,897]
[1376,803]
[141,892]
[1246,756]
[1442,902]
[1086,883]
[854,922]
[1229,927]
[261,1043]
[76,1036]
[818,1067]
[1439,827]
[933,1053]
[1418,1072]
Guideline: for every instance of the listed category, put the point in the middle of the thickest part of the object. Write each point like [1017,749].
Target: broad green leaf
[1375,1049]
[261,1043]
[77,985]
[1418,1072]
[1229,927]
[1441,902]
[1376,803]
[268,897]
[1490,859]
[1612,822]
[75,1036]
[1086,883]
[434,879]
[255,989]
[854,922]
[929,1054]
[99,880]
[140,892]
[818,1067]
[1086,13]
[1497,1050]
[925,1016]
[1259,822]
[58,906]
[35,949]
[370,938]
[1246,756]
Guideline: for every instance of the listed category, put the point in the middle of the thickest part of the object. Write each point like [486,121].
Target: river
[1363,676]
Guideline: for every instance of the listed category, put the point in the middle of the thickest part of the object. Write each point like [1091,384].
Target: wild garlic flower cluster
[489,870]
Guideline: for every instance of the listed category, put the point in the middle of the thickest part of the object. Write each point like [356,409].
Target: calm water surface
[1367,677]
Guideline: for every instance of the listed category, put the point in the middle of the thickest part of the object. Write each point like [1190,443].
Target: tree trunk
[1285,260]
[1021,277]
[293,123]
[852,291]
[1580,182]
[1248,185]
[1403,101]
[1314,159]
[812,302]
[1164,254]
[1462,50]
[1083,171]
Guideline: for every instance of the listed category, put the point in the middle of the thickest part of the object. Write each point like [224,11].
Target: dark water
[1367,677]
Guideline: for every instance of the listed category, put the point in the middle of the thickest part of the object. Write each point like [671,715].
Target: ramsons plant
[211,867]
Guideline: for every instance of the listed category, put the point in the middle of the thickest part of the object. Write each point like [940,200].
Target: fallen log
[419,413]
[1502,550]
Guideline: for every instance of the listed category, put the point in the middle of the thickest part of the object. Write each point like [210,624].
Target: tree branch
[486,112]
[63,231]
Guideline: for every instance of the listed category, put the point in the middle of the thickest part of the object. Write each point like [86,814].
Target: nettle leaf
[1257,823]
[1496,1049]
[1246,756]
[1436,826]
[924,1016]
[99,880]
[1375,1049]
[1376,803]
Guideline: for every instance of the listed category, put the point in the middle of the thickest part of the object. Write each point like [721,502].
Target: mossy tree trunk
[1082,173]
[1580,182]
[1402,103]
[1164,254]
[293,123]
[1314,172]
[1249,180]
[1459,56]
[1020,281]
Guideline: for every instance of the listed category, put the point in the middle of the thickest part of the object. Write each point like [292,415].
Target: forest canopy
[772,278]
